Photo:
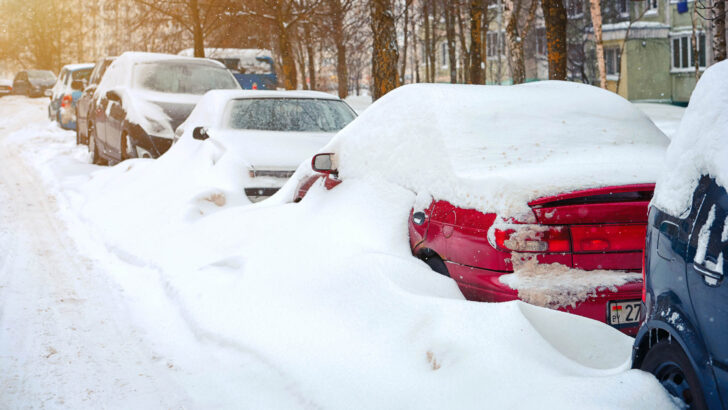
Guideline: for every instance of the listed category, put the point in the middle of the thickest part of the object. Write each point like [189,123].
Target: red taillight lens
[608,238]
[533,238]
[66,101]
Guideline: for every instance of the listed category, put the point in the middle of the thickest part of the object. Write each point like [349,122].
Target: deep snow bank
[700,146]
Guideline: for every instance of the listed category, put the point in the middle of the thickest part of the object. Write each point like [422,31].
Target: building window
[652,6]
[682,56]
[541,41]
[495,44]
[575,8]
[612,60]
[623,7]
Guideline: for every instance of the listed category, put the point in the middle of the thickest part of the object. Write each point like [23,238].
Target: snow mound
[496,148]
[700,146]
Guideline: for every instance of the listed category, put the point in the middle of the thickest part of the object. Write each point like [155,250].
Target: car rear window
[182,77]
[288,114]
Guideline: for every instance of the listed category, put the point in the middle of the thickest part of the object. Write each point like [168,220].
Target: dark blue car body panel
[258,81]
[686,295]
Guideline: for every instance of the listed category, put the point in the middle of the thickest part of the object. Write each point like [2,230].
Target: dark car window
[41,75]
[182,77]
[709,239]
[287,114]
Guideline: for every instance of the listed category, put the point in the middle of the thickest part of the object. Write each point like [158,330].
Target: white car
[271,131]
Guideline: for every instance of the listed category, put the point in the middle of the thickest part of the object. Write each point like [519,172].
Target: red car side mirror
[324,163]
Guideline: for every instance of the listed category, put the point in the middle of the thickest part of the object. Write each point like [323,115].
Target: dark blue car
[684,337]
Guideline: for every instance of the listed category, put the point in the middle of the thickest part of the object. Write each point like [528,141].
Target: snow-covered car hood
[496,148]
[271,149]
[158,113]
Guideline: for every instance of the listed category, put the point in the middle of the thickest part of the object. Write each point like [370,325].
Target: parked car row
[66,92]
[138,104]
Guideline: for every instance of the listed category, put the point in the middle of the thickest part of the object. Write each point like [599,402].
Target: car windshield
[182,77]
[81,74]
[41,75]
[288,114]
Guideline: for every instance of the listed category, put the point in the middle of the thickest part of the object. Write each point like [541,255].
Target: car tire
[671,366]
[78,136]
[94,149]
[436,263]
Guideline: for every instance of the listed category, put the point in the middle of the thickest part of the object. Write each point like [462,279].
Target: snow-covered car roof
[496,148]
[209,109]
[700,146]
[120,70]
[81,66]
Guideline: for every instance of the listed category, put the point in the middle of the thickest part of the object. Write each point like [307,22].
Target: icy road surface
[151,285]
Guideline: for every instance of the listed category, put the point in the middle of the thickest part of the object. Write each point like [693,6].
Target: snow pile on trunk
[554,285]
[497,148]
[700,146]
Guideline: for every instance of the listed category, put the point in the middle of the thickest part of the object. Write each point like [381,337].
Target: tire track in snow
[65,341]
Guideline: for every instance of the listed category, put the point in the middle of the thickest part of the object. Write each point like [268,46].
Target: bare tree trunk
[311,54]
[403,70]
[464,51]
[426,18]
[385,55]
[416,65]
[555,18]
[433,41]
[596,15]
[694,42]
[450,37]
[515,43]
[342,71]
[719,42]
[476,43]
[197,29]
[290,75]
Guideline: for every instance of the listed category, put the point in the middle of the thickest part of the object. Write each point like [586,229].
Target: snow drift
[700,146]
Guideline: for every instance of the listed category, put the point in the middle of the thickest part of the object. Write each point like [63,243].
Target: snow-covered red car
[536,192]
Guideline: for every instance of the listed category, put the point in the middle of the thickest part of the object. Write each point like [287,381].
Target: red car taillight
[533,238]
[607,238]
[66,101]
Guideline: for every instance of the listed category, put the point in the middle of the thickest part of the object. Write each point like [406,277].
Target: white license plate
[624,312]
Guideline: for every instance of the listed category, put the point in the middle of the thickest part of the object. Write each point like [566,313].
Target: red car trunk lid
[607,225]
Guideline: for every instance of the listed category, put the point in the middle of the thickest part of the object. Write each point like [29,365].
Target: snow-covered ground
[665,116]
[148,285]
